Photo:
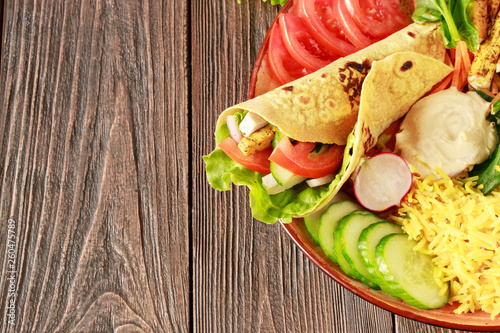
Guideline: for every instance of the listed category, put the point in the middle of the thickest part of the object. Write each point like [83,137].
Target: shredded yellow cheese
[453,221]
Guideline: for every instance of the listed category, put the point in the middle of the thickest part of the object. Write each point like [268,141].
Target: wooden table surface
[107,223]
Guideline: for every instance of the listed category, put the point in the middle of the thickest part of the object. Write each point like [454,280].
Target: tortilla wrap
[323,106]
[393,85]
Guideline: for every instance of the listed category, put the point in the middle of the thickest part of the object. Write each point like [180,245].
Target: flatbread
[393,85]
[323,106]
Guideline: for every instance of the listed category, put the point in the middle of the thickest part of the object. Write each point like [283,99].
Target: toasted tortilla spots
[323,106]
[393,85]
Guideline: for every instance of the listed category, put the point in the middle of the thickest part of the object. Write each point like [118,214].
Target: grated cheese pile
[456,223]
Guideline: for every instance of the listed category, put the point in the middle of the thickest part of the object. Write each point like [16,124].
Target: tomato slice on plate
[301,45]
[349,27]
[284,68]
[257,162]
[376,18]
[297,158]
[318,17]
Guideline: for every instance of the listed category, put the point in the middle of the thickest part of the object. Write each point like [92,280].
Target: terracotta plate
[479,321]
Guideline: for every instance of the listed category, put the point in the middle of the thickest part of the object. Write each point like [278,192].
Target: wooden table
[107,221]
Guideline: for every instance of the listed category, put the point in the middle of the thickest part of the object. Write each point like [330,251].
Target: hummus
[447,130]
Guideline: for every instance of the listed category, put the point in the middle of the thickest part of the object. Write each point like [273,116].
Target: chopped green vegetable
[495,107]
[487,172]
[273,2]
[317,148]
[456,24]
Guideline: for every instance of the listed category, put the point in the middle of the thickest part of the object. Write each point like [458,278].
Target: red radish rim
[356,189]
[444,317]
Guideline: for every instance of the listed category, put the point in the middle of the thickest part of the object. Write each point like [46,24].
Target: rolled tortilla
[323,106]
[393,85]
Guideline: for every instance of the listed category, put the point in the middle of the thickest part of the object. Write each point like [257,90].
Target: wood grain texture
[93,170]
[248,276]
[106,108]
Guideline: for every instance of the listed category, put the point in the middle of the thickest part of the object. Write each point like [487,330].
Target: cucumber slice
[272,187]
[329,222]
[284,177]
[312,224]
[349,230]
[312,221]
[367,243]
[408,273]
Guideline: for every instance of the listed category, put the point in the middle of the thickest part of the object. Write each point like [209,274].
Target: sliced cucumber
[349,230]
[329,222]
[272,187]
[312,221]
[312,224]
[367,243]
[284,177]
[408,273]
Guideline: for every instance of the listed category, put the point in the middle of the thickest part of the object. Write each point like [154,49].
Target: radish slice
[232,126]
[382,181]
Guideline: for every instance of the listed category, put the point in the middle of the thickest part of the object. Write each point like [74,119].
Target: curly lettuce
[300,200]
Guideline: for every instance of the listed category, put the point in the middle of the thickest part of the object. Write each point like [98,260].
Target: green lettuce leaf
[456,24]
[221,170]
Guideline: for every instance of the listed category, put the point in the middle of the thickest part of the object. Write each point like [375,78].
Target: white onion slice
[232,126]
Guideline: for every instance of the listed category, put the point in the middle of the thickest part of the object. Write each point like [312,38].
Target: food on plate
[458,225]
[368,240]
[382,181]
[485,63]
[447,130]
[277,191]
[346,244]
[362,244]
[329,222]
[323,106]
[409,274]
[313,33]
[312,221]
[479,17]
[454,16]
[298,145]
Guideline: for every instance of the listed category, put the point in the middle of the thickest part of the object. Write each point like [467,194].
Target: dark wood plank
[248,276]
[94,166]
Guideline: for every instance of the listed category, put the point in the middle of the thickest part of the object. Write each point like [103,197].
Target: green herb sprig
[487,172]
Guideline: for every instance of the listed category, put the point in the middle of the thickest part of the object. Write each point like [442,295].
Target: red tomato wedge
[376,18]
[301,45]
[318,17]
[349,27]
[296,158]
[257,162]
[284,68]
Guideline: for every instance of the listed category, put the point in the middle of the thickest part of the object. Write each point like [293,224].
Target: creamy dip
[447,130]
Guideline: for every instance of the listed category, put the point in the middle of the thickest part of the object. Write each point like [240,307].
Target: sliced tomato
[376,18]
[301,45]
[297,158]
[284,68]
[349,27]
[321,23]
[257,162]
